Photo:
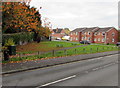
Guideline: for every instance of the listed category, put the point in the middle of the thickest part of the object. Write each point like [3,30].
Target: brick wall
[74,36]
[110,36]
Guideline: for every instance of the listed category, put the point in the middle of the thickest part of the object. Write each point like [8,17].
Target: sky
[78,13]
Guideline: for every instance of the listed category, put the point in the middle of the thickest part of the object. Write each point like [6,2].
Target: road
[102,71]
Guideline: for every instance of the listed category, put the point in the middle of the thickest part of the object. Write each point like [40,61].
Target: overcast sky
[79,13]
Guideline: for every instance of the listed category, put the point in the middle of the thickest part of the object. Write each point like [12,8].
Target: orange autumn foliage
[17,15]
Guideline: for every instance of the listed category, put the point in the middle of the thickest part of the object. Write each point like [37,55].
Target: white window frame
[89,38]
[95,34]
[76,38]
[103,40]
[89,33]
[103,33]
[95,39]
[99,39]
[113,40]
[76,33]
[113,34]
[82,38]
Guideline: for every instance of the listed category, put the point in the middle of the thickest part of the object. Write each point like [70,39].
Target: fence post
[103,48]
[38,52]
[84,50]
[65,52]
[91,50]
[97,49]
[53,52]
[112,48]
[75,51]
[20,56]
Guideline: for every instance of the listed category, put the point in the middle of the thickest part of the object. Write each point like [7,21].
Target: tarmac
[10,68]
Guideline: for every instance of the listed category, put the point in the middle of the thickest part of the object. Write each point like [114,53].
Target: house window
[82,38]
[89,38]
[103,33]
[98,39]
[76,33]
[88,33]
[113,34]
[113,40]
[95,33]
[95,39]
[76,38]
[99,33]
[103,40]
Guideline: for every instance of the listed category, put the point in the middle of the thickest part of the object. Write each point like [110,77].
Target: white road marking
[95,59]
[57,81]
[104,66]
[101,57]
[75,75]
[95,69]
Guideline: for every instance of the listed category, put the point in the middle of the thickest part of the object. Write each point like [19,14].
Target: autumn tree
[18,17]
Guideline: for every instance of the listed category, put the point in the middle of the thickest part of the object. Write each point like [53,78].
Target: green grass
[44,46]
[74,51]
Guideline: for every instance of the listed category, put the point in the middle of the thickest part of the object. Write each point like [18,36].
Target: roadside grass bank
[68,52]
[44,46]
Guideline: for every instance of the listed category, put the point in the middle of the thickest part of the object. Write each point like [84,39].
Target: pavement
[30,65]
[101,71]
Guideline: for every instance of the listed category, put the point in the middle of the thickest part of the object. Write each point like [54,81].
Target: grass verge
[74,51]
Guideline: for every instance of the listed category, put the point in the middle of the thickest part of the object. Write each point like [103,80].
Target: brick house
[95,35]
[57,33]
[75,35]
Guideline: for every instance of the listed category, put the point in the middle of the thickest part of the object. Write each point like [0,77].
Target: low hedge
[17,37]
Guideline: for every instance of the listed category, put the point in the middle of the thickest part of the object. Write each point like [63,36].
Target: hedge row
[17,37]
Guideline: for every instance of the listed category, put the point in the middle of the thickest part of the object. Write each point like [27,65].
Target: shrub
[9,42]
[17,37]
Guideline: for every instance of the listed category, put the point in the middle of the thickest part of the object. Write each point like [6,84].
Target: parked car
[85,42]
[118,44]
[58,38]
[67,38]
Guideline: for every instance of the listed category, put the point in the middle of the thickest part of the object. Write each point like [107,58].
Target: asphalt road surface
[102,71]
